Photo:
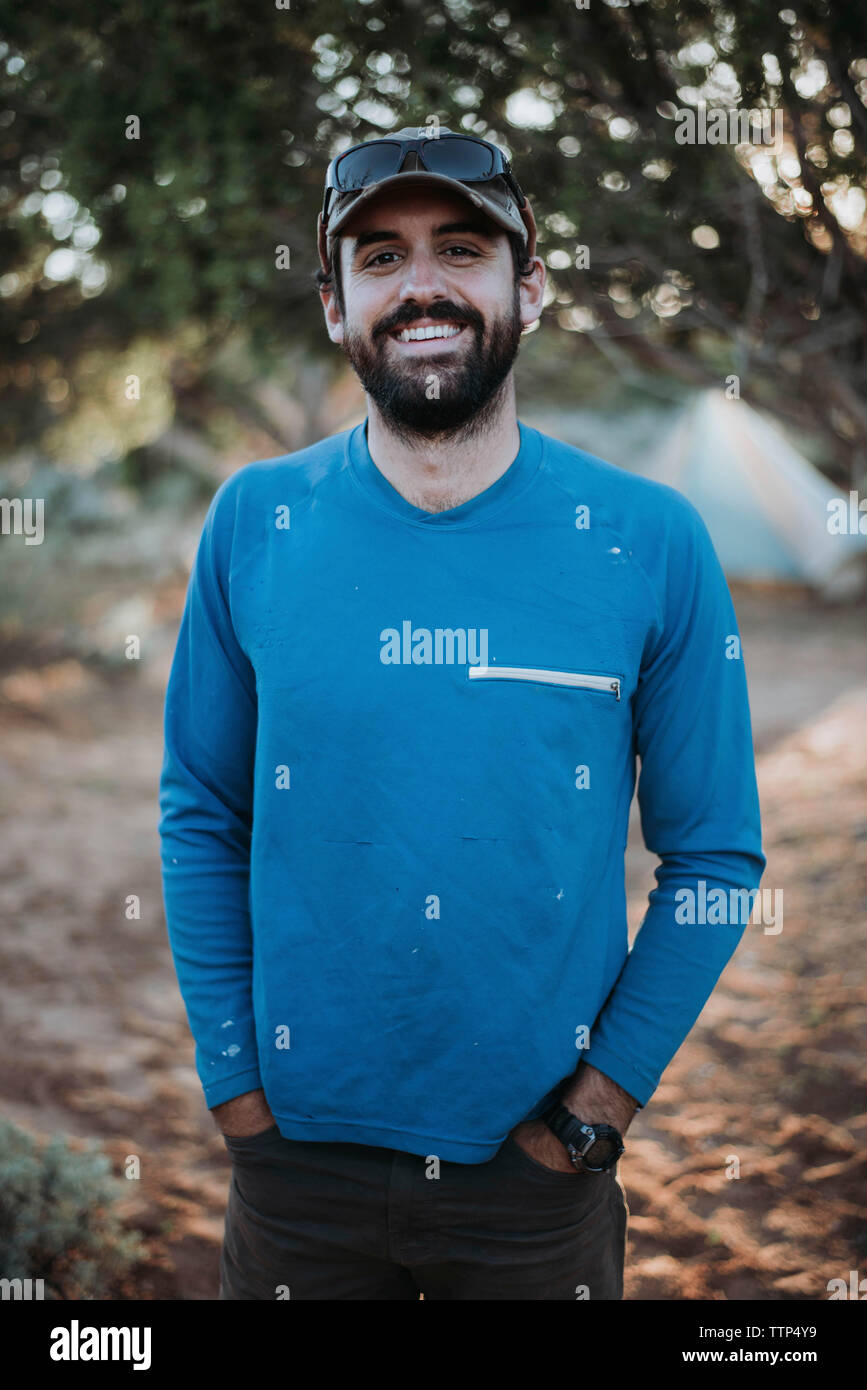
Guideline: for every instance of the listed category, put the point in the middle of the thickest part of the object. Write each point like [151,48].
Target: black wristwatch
[603,1143]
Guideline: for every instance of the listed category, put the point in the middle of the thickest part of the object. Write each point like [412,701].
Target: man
[416,665]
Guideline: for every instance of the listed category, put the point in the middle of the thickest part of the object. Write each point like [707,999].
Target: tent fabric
[764,504]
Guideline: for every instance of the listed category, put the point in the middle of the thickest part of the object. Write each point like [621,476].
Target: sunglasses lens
[459,159]
[372,162]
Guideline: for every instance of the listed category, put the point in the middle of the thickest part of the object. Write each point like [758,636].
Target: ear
[531,291]
[333,318]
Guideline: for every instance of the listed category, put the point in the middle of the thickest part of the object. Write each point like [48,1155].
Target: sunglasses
[461,157]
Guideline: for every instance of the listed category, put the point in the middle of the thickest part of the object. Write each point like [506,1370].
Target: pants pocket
[583,1181]
[240,1144]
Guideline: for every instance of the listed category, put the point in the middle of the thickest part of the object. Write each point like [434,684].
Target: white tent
[764,504]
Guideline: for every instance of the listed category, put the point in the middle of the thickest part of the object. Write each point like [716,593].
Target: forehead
[414,213]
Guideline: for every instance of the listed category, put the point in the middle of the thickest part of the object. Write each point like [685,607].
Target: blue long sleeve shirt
[400,750]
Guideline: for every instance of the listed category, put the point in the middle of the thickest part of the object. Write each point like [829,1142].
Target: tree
[154,158]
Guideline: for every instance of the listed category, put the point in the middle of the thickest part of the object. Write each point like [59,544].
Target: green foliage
[57,1218]
[240,108]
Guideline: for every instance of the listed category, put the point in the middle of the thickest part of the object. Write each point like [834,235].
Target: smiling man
[417,665]
[441,377]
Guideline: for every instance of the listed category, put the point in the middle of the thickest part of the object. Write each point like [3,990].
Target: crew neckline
[501,492]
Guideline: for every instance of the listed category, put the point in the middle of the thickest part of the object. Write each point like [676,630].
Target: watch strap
[578,1135]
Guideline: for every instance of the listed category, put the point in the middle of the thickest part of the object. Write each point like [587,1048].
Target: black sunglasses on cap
[462,157]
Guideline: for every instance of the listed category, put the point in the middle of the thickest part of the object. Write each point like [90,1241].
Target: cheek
[365,306]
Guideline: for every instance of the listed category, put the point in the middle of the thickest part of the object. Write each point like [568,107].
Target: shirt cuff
[633,1082]
[231,1086]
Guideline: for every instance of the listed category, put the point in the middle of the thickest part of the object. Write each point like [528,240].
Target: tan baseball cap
[493,197]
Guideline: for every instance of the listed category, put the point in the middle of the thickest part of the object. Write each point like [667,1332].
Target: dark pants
[337,1221]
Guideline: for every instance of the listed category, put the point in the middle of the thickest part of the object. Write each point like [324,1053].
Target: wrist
[243,1115]
[595,1099]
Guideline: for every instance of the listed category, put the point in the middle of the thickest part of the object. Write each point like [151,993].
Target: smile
[427,332]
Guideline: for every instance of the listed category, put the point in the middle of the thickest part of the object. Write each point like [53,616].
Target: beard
[469,382]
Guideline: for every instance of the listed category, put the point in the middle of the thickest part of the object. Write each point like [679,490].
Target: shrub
[58,1219]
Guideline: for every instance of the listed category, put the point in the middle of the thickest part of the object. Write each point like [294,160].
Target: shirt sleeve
[206,813]
[699,808]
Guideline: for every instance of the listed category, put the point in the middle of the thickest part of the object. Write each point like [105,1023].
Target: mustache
[445,310]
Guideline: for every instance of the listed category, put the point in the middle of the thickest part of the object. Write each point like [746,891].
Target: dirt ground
[772,1075]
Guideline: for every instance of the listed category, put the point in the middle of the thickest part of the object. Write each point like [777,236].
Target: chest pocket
[606,682]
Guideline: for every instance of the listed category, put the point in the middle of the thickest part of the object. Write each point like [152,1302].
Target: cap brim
[485,204]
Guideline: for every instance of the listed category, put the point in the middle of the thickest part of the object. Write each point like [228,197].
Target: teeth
[417,335]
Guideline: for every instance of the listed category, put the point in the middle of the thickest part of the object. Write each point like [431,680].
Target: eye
[454,252]
[374,260]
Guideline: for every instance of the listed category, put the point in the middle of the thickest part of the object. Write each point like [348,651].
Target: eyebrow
[476,227]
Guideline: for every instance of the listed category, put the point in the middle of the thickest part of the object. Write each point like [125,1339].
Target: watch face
[603,1153]
[600,1152]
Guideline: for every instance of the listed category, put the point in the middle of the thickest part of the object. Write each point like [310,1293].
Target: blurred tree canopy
[154,157]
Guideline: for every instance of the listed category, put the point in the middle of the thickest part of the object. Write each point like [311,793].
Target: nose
[423,280]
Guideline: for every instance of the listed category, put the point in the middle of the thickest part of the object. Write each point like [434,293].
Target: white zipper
[536,673]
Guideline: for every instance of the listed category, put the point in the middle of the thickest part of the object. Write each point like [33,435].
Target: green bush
[58,1220]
